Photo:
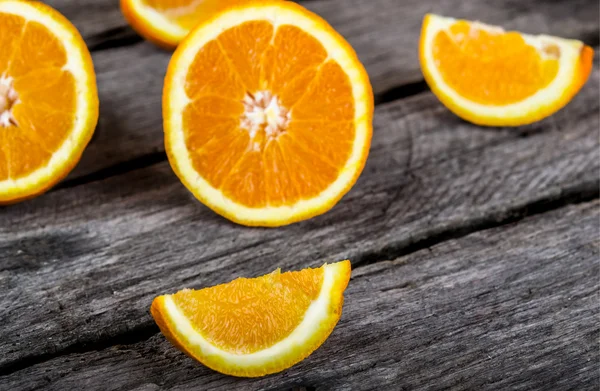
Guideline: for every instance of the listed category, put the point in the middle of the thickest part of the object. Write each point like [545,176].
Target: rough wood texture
[514,307]
[82,264]
[384,33]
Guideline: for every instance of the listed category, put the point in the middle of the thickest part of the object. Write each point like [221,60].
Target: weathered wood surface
[514,307]
[80,265]
[385,34]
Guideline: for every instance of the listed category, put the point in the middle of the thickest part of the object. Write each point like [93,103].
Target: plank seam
[586,192]
[580,194]
[114,38]
[121,168]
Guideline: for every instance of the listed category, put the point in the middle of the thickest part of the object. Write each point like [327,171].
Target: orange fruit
[162,22]
[258,326]
[267,113]
[48,98]
[167,22]
[492,77]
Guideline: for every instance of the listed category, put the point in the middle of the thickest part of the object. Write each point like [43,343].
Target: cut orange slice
[267,113]
[162,22]
[255,327]
[48,98]
[167,22]
[488,76]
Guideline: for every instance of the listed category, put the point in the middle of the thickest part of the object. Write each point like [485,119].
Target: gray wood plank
[80,266]
[515,307]
[384,33]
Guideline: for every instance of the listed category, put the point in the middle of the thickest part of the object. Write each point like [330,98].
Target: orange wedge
[267,113]
[492,77]
[48,98]
[258,326]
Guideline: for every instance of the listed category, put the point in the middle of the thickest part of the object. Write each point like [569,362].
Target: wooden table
[475,251]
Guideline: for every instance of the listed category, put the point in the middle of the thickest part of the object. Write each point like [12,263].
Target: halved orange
[492,77]
[267,113]
[258,326]
[48,98]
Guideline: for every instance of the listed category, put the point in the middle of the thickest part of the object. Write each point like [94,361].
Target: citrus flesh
[48,98]
[268,114]
[493,77]
[253,327]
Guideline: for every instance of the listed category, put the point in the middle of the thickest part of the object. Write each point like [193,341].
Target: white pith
[277,15]
[263,112]
[567,54]
[8,98]
[76,65]
[316,316]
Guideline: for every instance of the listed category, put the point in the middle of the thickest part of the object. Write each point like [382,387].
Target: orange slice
[488,76]
[267,113]
[167,22]
[48,98]
[258,326]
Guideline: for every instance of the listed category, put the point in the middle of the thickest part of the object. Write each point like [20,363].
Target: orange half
[489,76]
[48,98]
[267,113]
[258,326]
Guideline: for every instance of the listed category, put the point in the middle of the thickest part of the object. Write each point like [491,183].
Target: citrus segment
[268,113]
[255,326]
[10,34]
[25,155]
[293,53]
[244,46]
[218,157]
[48,98]
[46,128]
[38,48]
[328,98]
[57,93]
[492,77]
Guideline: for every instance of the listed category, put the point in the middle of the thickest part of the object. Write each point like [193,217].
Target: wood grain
[514,307]
[511,307]
[384,33]
[80,266]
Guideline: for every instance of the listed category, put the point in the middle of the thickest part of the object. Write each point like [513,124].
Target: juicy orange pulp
[248,315]
[41,116]
[473,59]
[271,118]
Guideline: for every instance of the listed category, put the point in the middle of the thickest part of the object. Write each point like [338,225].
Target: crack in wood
[401,92]
[135,335]
[114,38]
[579,194]
[117,169]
